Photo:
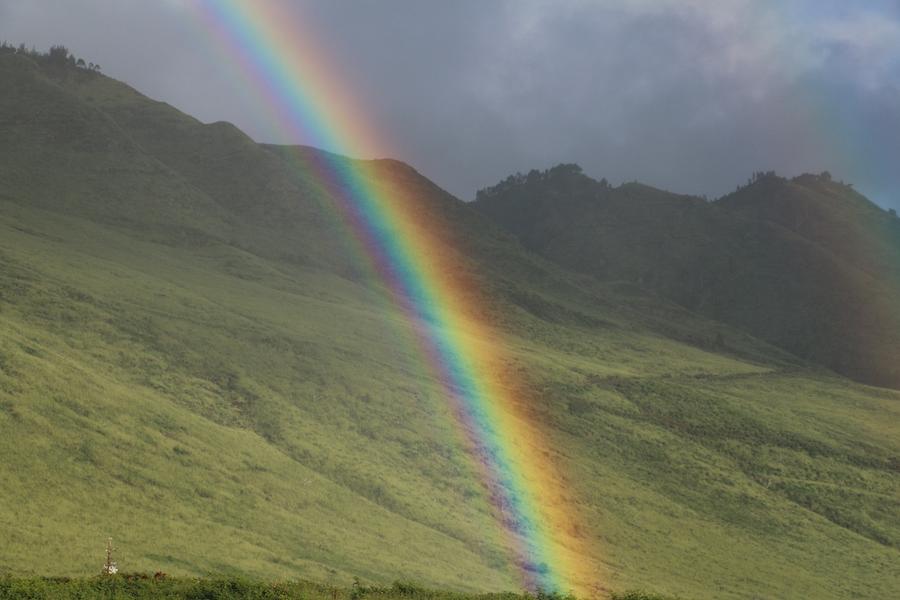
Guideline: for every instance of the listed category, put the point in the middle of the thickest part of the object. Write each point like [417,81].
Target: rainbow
[410,252]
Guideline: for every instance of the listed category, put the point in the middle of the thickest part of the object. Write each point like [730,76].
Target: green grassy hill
[192,362]
[807,264]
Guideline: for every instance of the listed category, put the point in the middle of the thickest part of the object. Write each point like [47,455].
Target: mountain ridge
[807,264]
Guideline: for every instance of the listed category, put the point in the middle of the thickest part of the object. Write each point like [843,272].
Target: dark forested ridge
[806,263]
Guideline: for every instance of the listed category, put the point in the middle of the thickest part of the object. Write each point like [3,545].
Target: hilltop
[807,264]
[193,362]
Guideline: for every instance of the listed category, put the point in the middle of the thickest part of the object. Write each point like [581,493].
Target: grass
[135,586]
[272,438]
[140,585]
[222,409]
[196,407]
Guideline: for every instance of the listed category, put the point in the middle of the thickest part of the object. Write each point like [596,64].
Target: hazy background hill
[807,264]
[193,361]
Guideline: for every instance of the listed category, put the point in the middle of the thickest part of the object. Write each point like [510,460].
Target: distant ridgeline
[57,56]
[806,263]
[559,174]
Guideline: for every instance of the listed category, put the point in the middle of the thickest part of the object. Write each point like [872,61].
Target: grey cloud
[688,95]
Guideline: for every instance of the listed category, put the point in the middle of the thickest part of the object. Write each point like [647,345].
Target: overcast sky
[690,95]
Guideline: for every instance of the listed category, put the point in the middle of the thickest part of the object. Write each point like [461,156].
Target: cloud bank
[687,95]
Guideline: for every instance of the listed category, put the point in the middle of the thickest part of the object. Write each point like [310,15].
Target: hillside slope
[807,264]
[192,361]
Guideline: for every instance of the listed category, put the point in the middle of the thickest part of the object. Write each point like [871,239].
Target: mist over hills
[193,361]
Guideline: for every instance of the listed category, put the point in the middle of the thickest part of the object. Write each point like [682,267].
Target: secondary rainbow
[306,101]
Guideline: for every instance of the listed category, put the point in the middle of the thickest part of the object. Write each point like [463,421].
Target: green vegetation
[192,362]
[138,585]
[807,264]
[57,56]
